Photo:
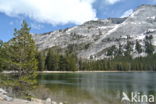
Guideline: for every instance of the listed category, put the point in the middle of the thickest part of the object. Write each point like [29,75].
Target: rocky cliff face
[93,38]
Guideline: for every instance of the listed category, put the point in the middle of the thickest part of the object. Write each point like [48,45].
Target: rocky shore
[4,99]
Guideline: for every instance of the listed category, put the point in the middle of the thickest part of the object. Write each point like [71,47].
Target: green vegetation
[52,60]
[128,48]
[138,47]
[112,51]
[148,45]
[119,58]
[122,63]
[19,55]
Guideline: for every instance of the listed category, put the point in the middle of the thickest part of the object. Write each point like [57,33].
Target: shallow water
[97,87]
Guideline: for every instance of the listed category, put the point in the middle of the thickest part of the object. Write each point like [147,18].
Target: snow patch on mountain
[94,37]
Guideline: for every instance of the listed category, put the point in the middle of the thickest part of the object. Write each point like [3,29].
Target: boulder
[2,91]
[53,102]
[1,98]
[48,101]
[35,100]
[5,97]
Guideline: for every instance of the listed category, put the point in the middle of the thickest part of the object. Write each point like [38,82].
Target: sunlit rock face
[94,37]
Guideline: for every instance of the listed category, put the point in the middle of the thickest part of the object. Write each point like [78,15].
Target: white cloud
[112,1]
[11,23]
[127,13]
[51,11]
[36,26]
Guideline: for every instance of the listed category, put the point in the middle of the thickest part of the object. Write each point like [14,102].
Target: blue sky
[49,15]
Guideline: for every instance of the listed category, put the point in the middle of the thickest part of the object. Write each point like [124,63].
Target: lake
[97,87]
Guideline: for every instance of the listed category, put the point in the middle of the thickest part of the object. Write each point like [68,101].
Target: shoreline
[48,72]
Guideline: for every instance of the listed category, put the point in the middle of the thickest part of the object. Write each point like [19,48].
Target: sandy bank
[89,71]
[8,72]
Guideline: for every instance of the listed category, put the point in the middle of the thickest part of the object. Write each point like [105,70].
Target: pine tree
[111,51]
[1,43]
[149,48]
[20,56]
[120,51]
[4,63]
[55,61]
[52,60]
[138,47]
[1,60]
[128,48]
[41,61]
[63,64]
[71,59]
[23,51]
[49,59]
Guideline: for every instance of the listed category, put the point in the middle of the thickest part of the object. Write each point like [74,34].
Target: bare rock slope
[94,37]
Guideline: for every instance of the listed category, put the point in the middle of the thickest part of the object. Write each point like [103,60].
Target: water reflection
[97,88]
